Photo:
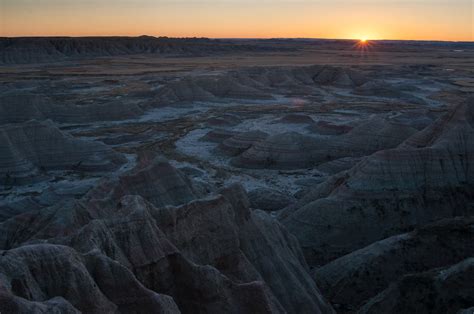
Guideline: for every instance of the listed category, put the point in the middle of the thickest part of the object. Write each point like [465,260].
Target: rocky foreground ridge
[427,177]
[152,239]
[149,240]
[353,227]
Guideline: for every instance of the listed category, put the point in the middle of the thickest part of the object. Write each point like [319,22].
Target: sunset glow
[364,45]
[351,19]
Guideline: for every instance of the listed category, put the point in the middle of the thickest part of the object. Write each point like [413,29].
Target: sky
[355,19]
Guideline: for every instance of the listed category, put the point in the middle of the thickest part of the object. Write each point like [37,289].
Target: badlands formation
[159,175]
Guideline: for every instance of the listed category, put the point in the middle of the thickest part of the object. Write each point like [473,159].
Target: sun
[363,44]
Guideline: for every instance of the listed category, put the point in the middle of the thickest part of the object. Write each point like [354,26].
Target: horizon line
[232,38]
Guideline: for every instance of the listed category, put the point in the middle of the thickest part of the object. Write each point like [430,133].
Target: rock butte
[24,107]
[152,255]
[269,199]
[449,288]
[296,118]
[358,205]
[223,121]
[327,128]
[239,143]
[282,151]
[218,135]
[34,147]
[357,277]
[293,150]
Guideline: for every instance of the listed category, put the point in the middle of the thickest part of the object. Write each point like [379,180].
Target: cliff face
[47,49]
[355,278]
[156,245]
[427,177]
[22,107]
[31,148]
[442,290]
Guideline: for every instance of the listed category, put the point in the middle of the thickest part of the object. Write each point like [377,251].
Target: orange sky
[372,19]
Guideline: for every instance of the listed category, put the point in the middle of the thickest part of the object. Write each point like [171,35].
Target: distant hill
[47,49]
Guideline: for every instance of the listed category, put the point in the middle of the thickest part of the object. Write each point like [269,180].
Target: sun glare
[363,45]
